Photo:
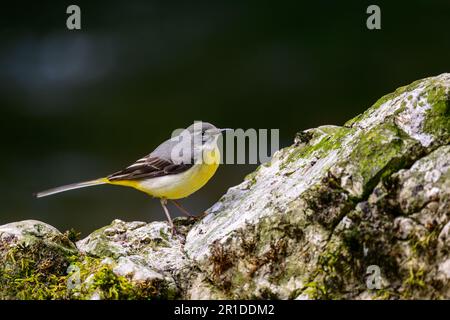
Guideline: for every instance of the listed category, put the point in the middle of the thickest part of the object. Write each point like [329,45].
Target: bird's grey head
[207,132]
[190,144]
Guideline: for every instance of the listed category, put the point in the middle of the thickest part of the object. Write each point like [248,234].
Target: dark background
[77,105]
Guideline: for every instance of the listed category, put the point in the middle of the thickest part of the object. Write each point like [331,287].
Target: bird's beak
[225,129]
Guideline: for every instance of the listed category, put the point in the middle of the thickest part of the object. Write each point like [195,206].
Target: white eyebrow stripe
[135,165]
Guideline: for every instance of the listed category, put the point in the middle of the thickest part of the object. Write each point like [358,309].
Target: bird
[174,170]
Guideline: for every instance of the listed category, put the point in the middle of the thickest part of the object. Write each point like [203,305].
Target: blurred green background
[77,105]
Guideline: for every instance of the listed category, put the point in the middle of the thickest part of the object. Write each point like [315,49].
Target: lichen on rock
[132,260]
[143,253]
[307,190]
[313,223]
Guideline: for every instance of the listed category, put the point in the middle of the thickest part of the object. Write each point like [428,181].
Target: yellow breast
[181,185]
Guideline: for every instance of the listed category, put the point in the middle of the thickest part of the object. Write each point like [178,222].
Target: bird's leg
[166,211]
[182,209]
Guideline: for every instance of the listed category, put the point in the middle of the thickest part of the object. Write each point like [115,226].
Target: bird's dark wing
[149,167]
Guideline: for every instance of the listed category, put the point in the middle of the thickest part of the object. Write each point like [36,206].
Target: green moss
[426,245]
[374,107]
[415,281]
[315,290]
[379,153]
[352,121]
[163,235]
[383,100]
[327,280]
[324,139]
[39,271]
[437,120]
[34,270]
[385,294]
[104,249]
[99,278]
[254,249]
[341,268]
[110,285]
[114,287]
[251,178]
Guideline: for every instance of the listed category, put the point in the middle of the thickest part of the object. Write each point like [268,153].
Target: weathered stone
[272,235]
[317,222]
[33,257]
[142,253]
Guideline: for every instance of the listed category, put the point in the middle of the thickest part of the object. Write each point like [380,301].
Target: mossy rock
[310,190]
[39,262]
[34,258]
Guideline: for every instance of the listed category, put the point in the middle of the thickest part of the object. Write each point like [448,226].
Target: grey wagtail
[175,169]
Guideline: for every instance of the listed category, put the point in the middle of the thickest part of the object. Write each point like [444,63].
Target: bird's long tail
[71,187]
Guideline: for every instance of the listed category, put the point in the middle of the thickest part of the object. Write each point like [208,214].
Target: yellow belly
[180,185]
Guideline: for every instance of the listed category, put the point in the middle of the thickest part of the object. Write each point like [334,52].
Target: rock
[279,233]
[34,258]
[143,253]
[121,261]
[360,211]
[396,231]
